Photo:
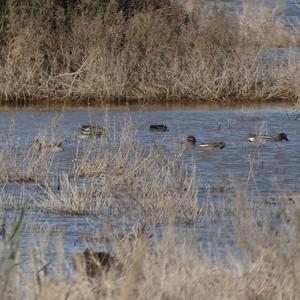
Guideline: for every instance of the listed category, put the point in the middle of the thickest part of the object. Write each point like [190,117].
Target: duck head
[37,144]
[281,137]
[220,145]
[191,140]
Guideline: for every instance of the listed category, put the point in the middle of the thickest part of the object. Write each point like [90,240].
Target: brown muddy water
[275,165]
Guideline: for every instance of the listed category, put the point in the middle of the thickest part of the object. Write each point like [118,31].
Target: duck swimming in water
[281,137]
[55,147]
[258,138]
[92,131]
[192,140]
[158,127]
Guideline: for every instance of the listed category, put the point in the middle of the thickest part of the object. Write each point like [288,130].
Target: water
[288,10]
[275,165]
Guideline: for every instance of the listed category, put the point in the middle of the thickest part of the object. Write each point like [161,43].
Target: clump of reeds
[158,51]
[124,179]
[10,240]
[21,164]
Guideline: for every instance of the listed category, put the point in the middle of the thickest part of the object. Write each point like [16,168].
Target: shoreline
[143,105]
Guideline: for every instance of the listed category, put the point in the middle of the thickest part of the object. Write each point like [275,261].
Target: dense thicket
[159,50]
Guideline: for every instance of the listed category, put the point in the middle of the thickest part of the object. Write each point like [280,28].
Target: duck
[55,147]
[280,137]
[158,127]
[92,131]
[192,140]
[93,262]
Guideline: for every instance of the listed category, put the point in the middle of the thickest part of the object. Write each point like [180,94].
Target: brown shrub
[166,52]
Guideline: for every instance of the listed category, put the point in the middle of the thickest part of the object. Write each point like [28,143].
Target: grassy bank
[97,51]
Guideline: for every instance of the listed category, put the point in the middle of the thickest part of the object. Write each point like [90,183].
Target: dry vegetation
[106,177]
[266,266]
[92,50]
[21,164]
[117,177]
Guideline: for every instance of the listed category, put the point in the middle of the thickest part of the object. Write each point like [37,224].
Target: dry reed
[265,265]
[146,188]
[21,164]
[122,178]
[87,51]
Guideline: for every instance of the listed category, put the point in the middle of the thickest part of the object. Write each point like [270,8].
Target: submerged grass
[147,188]
[24,163]
[106,176]
[108,51]
[124,179]
[264,266]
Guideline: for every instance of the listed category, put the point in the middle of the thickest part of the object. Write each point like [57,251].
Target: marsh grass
[112,175]
[122,178]
[9,251]
[265,265]
[155,192]
[196,51]
[19,164]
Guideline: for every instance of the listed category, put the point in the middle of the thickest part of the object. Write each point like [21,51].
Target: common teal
[55,147]
[258,138]
[158,127]
[92,131]
[93,263]
[192,140]
[280,137]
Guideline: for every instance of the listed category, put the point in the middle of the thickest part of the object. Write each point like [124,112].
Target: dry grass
[172,52]
[264,266]
[122,178]
[23,164]
[145,188]
[107,176]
